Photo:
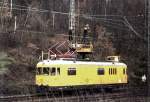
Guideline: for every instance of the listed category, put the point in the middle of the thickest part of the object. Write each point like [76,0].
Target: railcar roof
[54,62]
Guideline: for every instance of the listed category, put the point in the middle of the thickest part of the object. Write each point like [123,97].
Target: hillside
[119,28]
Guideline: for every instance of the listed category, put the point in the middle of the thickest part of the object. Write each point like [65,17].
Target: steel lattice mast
[72,18]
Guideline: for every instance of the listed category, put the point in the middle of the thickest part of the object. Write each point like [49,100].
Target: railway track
[97,97]
[14,98]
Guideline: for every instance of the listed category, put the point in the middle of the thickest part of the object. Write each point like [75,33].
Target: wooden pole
[148,30]
[15,26]
[11,8]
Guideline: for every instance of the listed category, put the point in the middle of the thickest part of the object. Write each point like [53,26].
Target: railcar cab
[46,74]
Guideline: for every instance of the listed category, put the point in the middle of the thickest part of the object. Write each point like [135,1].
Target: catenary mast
[72,20]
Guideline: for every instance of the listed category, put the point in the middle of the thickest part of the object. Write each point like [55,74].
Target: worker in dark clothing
[70,35]
[85,34]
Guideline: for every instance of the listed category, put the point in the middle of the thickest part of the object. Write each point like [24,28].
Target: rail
[79,96]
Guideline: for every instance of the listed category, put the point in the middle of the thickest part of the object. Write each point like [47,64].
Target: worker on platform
[85,34]
[70,35]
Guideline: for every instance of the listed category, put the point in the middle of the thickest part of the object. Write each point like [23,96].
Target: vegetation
[5,61]
[37,29]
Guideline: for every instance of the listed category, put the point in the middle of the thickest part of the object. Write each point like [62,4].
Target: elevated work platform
[83,48]
[113,58]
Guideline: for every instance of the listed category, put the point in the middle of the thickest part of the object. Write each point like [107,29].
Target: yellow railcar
[62,73]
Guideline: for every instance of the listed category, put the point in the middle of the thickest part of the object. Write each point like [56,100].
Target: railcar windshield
[48,71]
[42,70]
[38,70]
[53,71]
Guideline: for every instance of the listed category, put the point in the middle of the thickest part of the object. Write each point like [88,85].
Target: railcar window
[71,71]
[39,71]
[100,71]
[58,71]
[46,70]
[53,71]
[112,71]
[124,71]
